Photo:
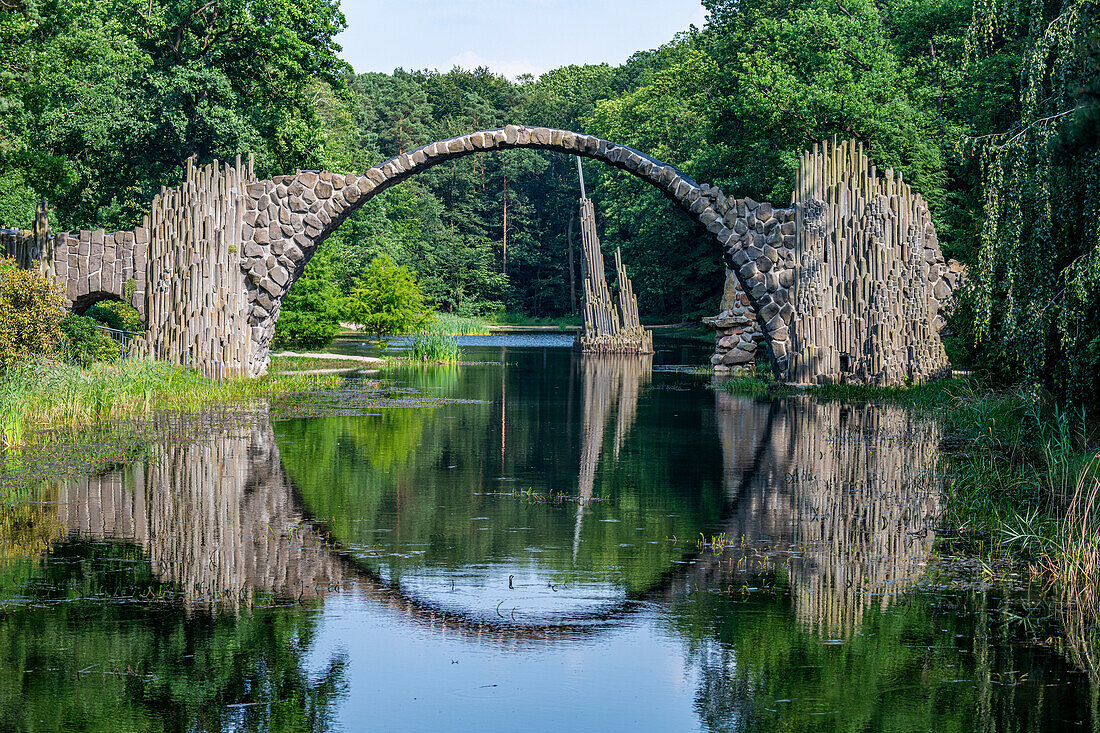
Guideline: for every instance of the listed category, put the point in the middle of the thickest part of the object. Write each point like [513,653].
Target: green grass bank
[40,397]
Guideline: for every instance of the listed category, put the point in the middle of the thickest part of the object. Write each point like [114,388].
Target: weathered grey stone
[280,275]
[271,287]
[293,253]
[737,357]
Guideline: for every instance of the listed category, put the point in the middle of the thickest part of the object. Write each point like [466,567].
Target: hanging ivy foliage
[1036,292]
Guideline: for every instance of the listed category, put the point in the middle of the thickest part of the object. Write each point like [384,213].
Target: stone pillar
[737,334]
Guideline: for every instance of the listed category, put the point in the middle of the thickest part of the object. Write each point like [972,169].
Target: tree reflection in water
[845,641]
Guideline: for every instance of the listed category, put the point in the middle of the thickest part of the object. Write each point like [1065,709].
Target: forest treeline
[989,107]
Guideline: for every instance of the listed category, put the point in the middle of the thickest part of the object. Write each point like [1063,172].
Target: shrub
[31,309]
[387,301]
[84,344]
[116,314]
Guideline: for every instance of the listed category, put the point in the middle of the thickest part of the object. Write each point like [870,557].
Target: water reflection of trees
[566,428]
[837,643]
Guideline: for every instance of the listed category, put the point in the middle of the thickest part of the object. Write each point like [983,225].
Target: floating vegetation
[357,397]
[553,498]
[302,363]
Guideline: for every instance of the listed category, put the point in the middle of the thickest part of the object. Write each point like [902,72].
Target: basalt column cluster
[608,328]
[871,280]
[196,307]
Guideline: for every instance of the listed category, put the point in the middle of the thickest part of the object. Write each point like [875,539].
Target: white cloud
[510,68]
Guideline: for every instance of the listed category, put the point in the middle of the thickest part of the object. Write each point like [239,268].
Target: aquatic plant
[451,325]
[436,347]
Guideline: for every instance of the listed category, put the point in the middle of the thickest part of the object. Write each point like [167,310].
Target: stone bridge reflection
[847,493]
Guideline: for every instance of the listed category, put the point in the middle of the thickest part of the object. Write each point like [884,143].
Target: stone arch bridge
[847,283]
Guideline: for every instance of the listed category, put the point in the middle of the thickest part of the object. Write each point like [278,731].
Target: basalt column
[870,281]
[608,328]
[196,304]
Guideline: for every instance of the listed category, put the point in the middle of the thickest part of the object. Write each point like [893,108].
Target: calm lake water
[562,543]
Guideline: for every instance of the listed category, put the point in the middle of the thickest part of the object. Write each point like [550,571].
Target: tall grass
[436,347]
[519,319]
[449,324]
[39,394]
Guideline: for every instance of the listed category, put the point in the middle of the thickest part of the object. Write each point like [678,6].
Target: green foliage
[387,301]
[437,348]
[452,325]
[112,96]
[117,315]
[84,343]
[1037,295]
[310,315]
[38,394]
[31,309]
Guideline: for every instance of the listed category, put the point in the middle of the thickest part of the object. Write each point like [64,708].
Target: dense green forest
[989,107]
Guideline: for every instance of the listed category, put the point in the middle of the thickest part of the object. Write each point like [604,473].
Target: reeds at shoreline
[40,394]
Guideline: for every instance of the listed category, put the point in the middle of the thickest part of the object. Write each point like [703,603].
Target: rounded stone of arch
[286,218]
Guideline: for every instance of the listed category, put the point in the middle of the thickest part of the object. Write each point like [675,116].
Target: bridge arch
[286,218]
[847,284]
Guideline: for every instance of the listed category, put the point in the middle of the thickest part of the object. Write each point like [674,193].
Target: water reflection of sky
[415,678]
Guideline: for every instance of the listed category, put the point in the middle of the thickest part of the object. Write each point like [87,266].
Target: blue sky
[511,38]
